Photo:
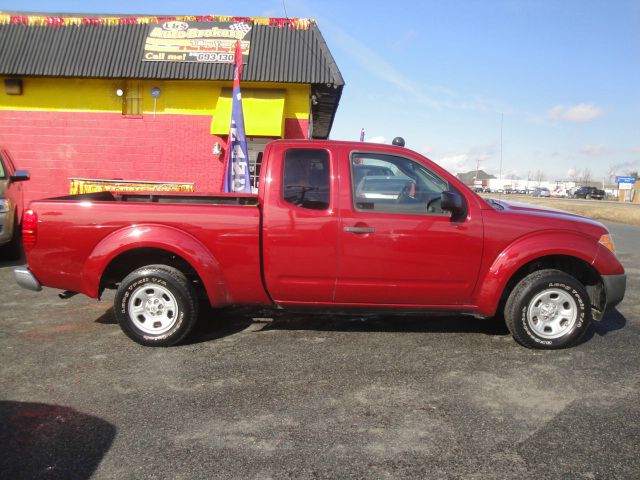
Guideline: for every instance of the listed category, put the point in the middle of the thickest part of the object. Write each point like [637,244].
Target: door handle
[359,229]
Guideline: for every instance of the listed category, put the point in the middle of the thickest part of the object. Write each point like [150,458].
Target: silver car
[541,192]
[11,205]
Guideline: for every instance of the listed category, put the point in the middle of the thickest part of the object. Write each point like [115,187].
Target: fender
[161,237]
[524,250]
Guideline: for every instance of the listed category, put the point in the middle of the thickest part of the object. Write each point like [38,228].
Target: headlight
[4,205]
[607,242]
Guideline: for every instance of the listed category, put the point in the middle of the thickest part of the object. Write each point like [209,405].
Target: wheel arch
[129,260]
[131,247]
[569,252]
[574,266]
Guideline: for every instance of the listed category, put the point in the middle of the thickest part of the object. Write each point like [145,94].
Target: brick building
[102,97]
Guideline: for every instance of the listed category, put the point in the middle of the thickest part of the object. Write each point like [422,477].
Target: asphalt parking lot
[315,397]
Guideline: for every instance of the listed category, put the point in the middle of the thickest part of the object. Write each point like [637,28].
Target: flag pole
[236,174]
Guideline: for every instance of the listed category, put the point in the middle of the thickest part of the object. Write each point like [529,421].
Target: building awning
[263,112]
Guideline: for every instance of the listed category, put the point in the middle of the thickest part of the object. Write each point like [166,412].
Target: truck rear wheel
[548,309]
[156,306]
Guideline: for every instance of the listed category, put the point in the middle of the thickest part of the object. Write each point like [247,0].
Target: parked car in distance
[589,192]
[11,206]
[541,192]
[559,192]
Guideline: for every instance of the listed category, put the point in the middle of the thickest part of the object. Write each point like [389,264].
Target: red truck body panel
[77,240]
[410,260]
[279,252]
[300,245]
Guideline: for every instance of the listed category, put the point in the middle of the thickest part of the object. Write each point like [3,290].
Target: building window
[306,178]
[256,146]
[132,100]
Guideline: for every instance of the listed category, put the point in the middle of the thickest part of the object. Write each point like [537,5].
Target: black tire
[156,306]
[12,250]
[537,319]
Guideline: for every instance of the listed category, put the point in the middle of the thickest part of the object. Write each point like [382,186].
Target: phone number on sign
[213,57]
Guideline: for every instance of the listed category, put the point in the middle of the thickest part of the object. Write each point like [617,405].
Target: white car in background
[559,192]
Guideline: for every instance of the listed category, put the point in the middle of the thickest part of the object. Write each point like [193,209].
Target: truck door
[397,245]
[300,224]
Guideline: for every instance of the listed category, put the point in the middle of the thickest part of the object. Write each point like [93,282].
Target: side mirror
[454,203]
[19,176]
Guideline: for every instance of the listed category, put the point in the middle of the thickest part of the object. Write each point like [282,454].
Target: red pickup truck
[335,226]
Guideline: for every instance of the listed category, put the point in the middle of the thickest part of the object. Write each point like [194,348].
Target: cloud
[427,150]
[475,157]
[378,139]
[405,38]
[580,113]
[273,12]
[483,151]
[455,163]
[371,61]
[436,97]
[594,150]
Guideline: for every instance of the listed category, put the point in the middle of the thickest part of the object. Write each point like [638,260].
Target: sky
[550,86]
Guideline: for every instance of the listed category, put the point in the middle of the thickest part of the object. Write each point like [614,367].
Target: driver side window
[393,184]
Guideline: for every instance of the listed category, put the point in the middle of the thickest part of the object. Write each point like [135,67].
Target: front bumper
[614,288]
[26,279]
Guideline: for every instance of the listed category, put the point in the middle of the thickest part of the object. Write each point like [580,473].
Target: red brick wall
[57,145]
[295,128]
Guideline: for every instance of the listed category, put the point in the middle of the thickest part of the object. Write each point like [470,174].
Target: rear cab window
[307,178]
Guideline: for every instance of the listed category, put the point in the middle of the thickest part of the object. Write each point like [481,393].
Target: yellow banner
[83,185]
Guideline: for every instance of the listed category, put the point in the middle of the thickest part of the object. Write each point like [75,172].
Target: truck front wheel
[156,306]
[548,309]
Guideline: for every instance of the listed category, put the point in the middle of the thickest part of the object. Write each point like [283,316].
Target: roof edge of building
[56,19]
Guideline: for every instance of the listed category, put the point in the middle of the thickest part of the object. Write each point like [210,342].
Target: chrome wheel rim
[153,309]
[552,313]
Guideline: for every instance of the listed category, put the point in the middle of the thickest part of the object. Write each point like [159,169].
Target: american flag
[236,175]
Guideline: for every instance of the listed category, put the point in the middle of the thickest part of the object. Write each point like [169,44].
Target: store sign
[201,42]
[625,183]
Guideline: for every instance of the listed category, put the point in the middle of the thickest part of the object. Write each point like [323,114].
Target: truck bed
[76,232]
